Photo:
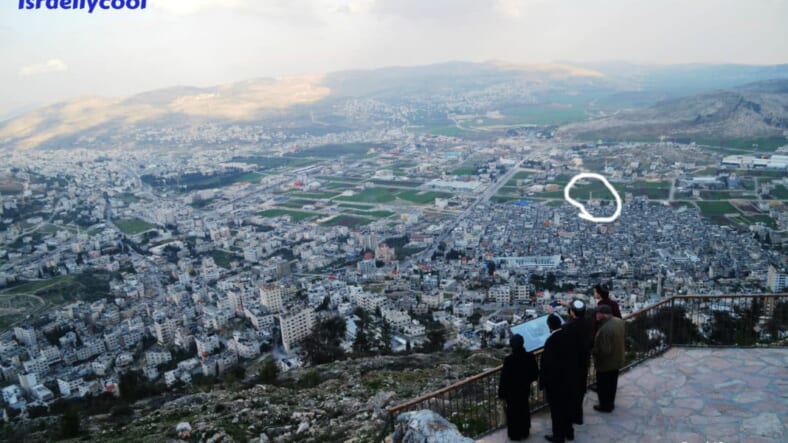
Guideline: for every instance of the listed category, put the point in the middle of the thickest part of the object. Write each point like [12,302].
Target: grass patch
[522,175]
[372,195]
[465,170]
[296,203]
[201,203]
[315,195]
[374,214]
[753,219]
[352,206]
[133,226]
[448,131]
[422,198]
[223,258]
[404,184]
[747,144]
[716,208]
[347,220]
[340,178]
[267,163]
[779,192]
[33,287]
[337,150]
[295,216]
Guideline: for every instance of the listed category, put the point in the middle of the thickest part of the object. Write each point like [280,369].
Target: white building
[68,386]
[271,296]
[155,358]
[206,345]
[25,336]
[776,280]
[296,326]
[501,294]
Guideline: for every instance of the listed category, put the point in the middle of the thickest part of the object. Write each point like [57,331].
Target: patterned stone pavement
[689,395]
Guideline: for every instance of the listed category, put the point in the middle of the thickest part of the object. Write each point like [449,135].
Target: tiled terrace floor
[689,395]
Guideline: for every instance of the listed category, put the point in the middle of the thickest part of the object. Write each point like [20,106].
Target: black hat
[604,309]
[516,341]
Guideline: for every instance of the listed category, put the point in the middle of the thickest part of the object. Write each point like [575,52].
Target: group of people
[564,368]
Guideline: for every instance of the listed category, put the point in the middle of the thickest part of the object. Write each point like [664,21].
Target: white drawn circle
[584,214]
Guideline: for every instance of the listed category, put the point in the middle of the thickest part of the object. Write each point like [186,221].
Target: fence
[727,320]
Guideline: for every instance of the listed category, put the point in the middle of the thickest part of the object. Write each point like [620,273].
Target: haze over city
[331,220]
[50,56]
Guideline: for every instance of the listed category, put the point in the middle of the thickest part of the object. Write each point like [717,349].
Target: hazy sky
[49,56]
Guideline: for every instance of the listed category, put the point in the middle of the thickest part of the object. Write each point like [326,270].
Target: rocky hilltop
[751,111]
[340,401]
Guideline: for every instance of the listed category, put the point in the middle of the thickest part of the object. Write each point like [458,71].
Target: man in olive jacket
[608,357]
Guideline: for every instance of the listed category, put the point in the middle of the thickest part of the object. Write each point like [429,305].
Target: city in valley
[181,267]
[329,220]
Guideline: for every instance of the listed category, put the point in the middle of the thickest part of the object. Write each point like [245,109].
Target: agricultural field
[295,216]
[372,195]
[347,220]
[716,208]
[422,198]
[779,193]
[133,226]
[357,150]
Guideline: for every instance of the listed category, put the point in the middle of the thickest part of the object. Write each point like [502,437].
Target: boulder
[426,426]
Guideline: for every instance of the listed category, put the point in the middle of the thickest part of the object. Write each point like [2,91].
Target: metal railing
[727,320]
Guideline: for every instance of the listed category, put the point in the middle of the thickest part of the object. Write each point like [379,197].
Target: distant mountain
[394,97]
[753,111]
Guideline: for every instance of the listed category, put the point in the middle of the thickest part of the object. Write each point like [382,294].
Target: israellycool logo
[90,5]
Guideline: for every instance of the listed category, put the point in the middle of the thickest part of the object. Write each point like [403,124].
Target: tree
[436,338]
[385,339]
[475,317]
[269,372]
[69,424]
[322,345]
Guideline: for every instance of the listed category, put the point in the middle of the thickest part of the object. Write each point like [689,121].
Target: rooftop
[689,395]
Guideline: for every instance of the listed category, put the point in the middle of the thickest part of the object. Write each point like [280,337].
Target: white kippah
[578,304]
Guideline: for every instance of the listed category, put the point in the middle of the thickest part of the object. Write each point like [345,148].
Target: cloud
[52,65]
[189,7]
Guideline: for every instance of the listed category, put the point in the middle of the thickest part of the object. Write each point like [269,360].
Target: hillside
[430,96]
[341,401]
[754,111]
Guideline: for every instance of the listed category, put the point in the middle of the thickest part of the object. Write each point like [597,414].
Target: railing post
[670,328]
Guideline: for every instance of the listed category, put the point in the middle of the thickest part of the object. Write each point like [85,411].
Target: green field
[315,195]
[337,150]
[448,131]
[752,219]
[33,287]
[522,174]
[372,195]
[540,114]
[347,220]
[779,192]
[340,179]
[133,226]
[374,214]
[747,144]
[295,216]
[266,163]
[401,183]
[296,203]
[223,258]
[353,206]
[465,170]
[422,198]
[716,208]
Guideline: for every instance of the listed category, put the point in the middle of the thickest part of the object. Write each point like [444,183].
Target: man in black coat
[519,371]
[580,329]
[558,378]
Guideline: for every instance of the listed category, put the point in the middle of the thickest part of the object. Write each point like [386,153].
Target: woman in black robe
[519,371]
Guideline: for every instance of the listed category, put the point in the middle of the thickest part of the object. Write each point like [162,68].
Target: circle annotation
[584,214]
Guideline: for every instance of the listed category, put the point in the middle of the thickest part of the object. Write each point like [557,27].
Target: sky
[53,55]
